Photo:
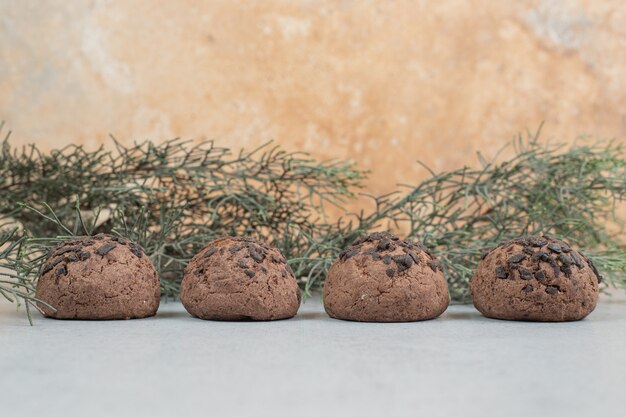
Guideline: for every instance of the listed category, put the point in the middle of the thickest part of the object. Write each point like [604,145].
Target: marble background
[383,83]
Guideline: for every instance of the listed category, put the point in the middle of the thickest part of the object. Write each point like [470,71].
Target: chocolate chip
[277,259]
[249,273]
[242,264]
[87,243]
[377,236]
[414,256]
[122,241]
[209,252]
[595,270]
[517,258]
[387,260]
[577,260]
[370,252]
[60,271]
[135,250]
[404,262]
[538,242]
[527,288]
[72,258]
[390,272]
[565,259]
[256,255]
[525,274]
[555,267]
[552,289]
[540,276]
[544,257]
[501,273]
[98,237]
[104,249]
[384,244]
[263,269]
[434,265]
[115,238]
[555,247]
[349,253]
[528,251]
[235,248]
[47,267]
[566,270]
[199,271]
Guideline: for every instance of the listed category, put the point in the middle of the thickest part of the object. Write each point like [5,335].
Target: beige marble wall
[381,82]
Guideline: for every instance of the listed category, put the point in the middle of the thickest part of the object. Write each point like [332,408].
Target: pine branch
[175,197]
[15,287]
[571,193]
[171,198]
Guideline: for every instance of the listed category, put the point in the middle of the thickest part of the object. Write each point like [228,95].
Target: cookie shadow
[172,314]
[310,315]
[462,315]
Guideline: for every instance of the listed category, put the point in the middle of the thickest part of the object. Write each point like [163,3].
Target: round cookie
[98,277]
[381,278]
[537,279]
[237,278]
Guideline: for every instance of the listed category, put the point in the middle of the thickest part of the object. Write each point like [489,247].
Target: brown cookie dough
[381,278]
[98,277]
[537,279]
[236,278]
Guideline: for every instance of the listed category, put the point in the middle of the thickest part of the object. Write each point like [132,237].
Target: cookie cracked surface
[380,278]
[536,279]
[98,277]
[238,278]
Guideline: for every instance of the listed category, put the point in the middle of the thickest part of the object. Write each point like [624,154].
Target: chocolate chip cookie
[238,278]
[381,278]
[535,278]
[98,277]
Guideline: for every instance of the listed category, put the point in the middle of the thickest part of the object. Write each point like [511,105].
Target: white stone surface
[175,365]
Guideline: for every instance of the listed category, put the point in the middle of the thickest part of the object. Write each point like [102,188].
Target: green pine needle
[175,197]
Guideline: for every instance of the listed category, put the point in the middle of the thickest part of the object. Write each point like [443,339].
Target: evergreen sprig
[16,287]
[175,197]
[171,198]
[570,192]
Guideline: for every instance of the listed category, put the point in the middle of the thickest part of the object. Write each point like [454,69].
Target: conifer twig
[175,197]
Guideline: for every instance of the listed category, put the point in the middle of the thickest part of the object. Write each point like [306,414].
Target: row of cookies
[378,278]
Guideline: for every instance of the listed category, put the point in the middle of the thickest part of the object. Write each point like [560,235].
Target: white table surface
[175,365]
